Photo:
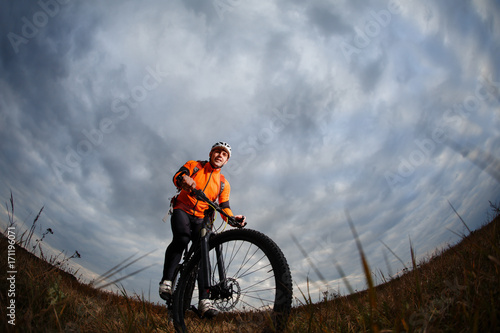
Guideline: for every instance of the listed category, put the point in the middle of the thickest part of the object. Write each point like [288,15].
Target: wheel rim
[249,272]
[258,283]
[249,267]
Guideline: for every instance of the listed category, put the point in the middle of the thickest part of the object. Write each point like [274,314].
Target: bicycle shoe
[207,308]
[165,290]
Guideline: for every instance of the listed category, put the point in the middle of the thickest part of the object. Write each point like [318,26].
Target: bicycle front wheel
[250,283]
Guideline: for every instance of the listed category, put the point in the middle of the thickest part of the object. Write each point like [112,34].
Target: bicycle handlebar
[202,196]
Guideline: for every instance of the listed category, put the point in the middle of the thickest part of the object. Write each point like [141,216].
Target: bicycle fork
[213,291]
[205,269]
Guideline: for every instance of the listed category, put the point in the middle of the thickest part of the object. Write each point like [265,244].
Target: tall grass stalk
[455,290]
[372,296]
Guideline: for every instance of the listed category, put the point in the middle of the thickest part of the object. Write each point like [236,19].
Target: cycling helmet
[222,145]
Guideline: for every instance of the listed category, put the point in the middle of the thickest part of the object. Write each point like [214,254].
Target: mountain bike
[243,271]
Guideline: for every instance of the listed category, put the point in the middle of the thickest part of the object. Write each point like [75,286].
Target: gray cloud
[101,103]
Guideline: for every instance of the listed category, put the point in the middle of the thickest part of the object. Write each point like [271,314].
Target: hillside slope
[49,299]
[455,291]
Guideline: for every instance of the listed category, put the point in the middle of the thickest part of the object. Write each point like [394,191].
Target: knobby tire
[258,273]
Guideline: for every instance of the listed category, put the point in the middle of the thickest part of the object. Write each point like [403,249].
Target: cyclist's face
[219,157]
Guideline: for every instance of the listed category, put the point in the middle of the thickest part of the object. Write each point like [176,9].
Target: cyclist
[188,213]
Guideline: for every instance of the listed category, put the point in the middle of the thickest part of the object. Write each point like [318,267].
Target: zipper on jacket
[208,181]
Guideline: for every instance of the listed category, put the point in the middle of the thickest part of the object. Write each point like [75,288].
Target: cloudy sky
[388,110]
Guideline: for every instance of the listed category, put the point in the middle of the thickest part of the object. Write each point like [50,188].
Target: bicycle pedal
[196,311]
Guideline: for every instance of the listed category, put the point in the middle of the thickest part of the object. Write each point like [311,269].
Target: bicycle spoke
[253,272]
[247,271]
[246,260]
[259,282]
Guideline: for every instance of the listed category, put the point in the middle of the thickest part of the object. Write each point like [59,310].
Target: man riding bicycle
[188,213]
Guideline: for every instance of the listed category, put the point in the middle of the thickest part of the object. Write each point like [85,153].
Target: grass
[455,290]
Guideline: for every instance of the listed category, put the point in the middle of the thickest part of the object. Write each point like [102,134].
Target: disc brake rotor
[230,302]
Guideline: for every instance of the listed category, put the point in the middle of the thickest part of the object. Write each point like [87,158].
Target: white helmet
[222,145]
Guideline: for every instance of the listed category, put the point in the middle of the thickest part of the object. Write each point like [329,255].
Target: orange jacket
[207,179]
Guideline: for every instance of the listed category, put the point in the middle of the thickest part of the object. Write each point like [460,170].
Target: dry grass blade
[12,208]
[32,229]
[118,268]
[394,254]
[460,217]
[124,277]
[482,159]
[417,276]
[366,269]
[344,278]
[111,271]
[311,263]
[457,290]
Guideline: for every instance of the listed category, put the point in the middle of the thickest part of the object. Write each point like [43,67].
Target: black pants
[185,228]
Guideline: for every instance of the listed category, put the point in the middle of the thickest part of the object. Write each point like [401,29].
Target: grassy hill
[457,290]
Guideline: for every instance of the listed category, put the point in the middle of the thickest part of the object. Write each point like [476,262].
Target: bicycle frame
[240,271]
[202,244]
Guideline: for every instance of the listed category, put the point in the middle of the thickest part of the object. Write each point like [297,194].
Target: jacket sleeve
[186,169]
[224,199]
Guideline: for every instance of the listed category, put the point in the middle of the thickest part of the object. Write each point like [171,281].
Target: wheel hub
[227,295]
